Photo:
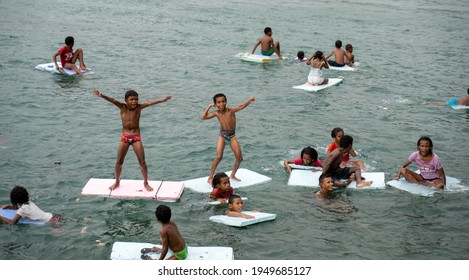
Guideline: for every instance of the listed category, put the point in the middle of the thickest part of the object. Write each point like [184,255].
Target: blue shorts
[452,102]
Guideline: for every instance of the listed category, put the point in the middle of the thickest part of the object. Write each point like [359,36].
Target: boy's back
[175,241]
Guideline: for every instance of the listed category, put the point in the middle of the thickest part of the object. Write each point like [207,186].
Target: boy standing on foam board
[130,115]
[227,118]
[268,45]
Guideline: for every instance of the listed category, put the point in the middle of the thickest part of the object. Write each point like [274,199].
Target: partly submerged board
[247,177]
[11,213]
[50,67]
[307,178]
[241,222]
[162,190]
[452,184]
[216,202]
[258,57]
[310,88]
[345,67]
[458,107]
[132,251]
[403,185]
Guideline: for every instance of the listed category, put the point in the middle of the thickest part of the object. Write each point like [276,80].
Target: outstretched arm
[205,115]
[329,55]
[110,99]
[255,46]
[15,220]
[406,163]
[287,166]
[244,105]
[237,214]
[153,102]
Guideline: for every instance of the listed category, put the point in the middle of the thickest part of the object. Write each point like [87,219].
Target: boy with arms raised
[331,165]
[227,118]
[268,45]
[130,116]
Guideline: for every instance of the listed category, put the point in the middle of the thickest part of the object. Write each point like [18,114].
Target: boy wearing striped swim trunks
[227,118]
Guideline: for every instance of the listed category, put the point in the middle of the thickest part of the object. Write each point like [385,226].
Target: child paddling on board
[68,57]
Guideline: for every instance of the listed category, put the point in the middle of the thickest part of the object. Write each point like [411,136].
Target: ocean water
[409,52]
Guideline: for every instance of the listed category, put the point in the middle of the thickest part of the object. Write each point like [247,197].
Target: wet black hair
[348,46]
[346,141]
[19,196]
[338,44]
[324,176]
[318,54]
[425,138]
[69,41]
[219,95]
[130,93]
[267,30]
[232,198]
[336,130]
[300,54]
[311,152]
[217,178]
[163,213]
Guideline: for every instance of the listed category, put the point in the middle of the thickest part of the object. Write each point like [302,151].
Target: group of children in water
[337,168]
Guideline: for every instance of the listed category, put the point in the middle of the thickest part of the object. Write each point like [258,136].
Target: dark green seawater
[409,52]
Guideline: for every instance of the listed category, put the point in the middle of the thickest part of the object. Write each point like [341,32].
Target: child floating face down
[308,157]
[235,208]
[27,209]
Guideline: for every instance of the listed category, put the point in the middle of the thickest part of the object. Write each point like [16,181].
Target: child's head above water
[338,44]
[130,93]
[300,55]
[422,140]
[318,54]
[235,203]
[349,48]
[220,179]
[346,141]
[163,214]
[19,196]
[325,181]
[217,96]
[309,155]
[69,41]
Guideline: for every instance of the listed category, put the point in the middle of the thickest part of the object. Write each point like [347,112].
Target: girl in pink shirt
[431,170]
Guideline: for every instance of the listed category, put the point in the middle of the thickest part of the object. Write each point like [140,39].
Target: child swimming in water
[235,208]
[431,174]
[27,209]
[309,157]
[222,189]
